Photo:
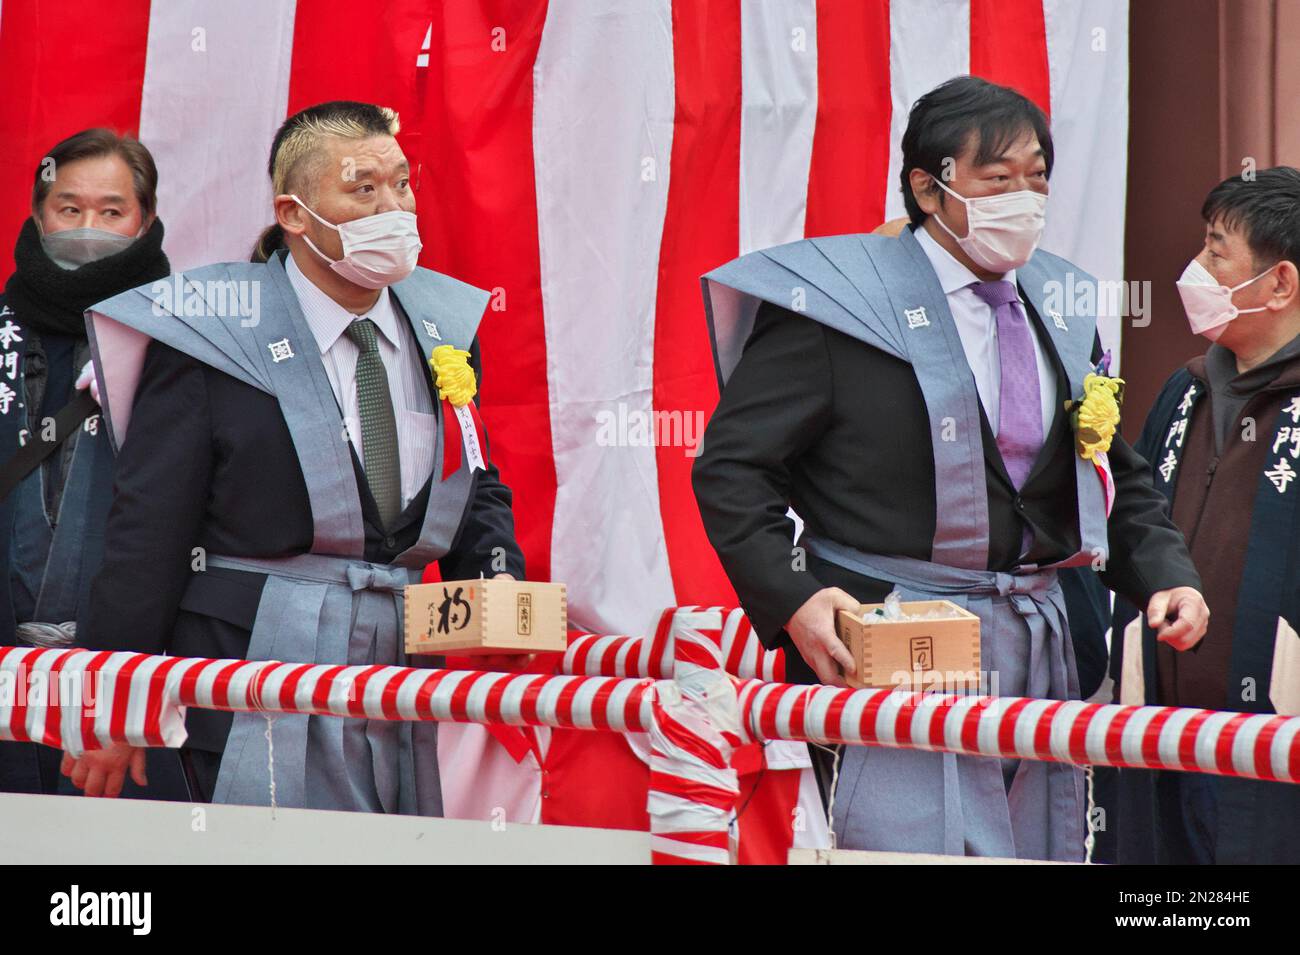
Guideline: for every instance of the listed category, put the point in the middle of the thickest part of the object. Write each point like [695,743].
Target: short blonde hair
[299,140]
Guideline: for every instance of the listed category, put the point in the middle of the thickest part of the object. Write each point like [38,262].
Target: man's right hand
[101,772]
[812,628]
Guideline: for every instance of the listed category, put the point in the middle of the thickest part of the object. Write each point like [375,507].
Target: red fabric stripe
[740,640]
[88,714]
[122,696]
[659,658]
[701,231]
[1151,736]
[478,219]
[339,55]
[451,440]
[1076,741]
[564,700]
[1115,734]
[867,721]
[18,714]
[688,651]
[1043,731]
[688,740]
[1223,748]
[460,696]
[52,732]
[68,65]
[609,656]
[716,839]
[1007,731]
[1008,45]
[663,858]
[320,693]
[388,698]
[1187,739]
[600,704]
[581,650]
[153,710]
[847,177]
[1263,749]
[356,699]
[691,789]
[632,707]
[289,685]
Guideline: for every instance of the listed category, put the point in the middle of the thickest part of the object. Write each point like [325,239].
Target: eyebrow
[1038,153]
[367,172]
[114,198]
[1215,236]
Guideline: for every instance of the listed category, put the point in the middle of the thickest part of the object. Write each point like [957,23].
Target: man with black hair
[907,396]
[93,232]
[1223,439]
[289,461]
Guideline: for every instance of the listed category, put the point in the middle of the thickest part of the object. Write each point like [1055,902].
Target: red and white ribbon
[695,728]
[726,627]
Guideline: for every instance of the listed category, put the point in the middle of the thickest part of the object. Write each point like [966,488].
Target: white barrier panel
[64,830]
[858,857]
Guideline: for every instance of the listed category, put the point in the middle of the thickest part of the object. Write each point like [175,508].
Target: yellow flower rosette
[453,375]
[1096,415]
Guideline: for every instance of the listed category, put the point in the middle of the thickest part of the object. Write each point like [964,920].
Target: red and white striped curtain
[587,160]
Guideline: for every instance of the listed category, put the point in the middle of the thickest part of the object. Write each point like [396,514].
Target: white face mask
[378,250]
[73,248]
[1208,302]
[1002,231]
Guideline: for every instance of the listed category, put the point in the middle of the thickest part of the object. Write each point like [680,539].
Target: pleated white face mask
[1003,230]
[1208,302]
[378,250]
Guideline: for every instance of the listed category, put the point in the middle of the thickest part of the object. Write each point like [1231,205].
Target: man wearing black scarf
[93,233]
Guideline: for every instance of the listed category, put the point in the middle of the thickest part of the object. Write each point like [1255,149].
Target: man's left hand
[1178,616]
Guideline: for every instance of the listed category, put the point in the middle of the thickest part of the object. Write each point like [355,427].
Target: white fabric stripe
[1087,58]
[666,845]
[1130,746]
[1062,725]
[1170,736]
[778,68]
[1207,738]
[929,42]
[1282,743]
[599,222]
[216,86]
[1094,737]
[1243,746]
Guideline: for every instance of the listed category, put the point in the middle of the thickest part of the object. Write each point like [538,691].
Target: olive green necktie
[378,423]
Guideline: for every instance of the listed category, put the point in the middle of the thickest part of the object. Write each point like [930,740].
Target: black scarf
[53,300]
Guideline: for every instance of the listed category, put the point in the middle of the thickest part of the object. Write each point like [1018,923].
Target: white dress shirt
[403,361]
[978,328]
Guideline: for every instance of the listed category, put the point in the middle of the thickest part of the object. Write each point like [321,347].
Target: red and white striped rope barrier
[727,628]
[138,696]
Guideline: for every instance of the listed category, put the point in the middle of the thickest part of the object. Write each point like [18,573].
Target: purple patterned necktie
[1020,410]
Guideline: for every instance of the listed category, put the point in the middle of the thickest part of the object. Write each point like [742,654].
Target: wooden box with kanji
[935,647]
[486,616]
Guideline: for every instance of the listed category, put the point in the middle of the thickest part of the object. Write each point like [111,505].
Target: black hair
[1265,209]
[943,121]
[91,144]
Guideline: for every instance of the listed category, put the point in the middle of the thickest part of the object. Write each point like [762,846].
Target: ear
[1287,290]
[290,215]
[924,190]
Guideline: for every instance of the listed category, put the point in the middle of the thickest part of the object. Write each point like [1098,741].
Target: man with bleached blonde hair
[291,464]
